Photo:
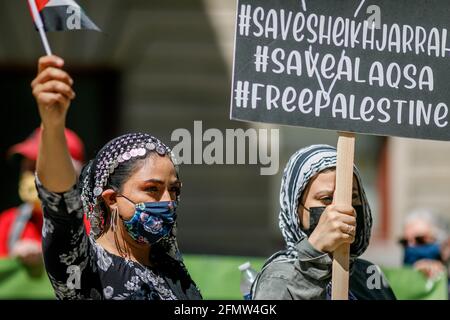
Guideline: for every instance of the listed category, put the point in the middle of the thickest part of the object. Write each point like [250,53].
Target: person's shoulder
[273,281]
[365,269]
[279,269]
[365,264]
[371,276]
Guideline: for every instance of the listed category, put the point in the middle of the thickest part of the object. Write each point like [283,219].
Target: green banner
[217,277]
[410,284]
[20,282]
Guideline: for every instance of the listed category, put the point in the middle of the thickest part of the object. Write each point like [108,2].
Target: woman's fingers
[348,229]
[55,86]
[347,219]
[337,214]
[344,209]
[336,226]
[49,99]
[52,73]
[52,86]
[49,61]
[347,238]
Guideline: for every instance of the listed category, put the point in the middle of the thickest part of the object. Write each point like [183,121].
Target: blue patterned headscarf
[304,165]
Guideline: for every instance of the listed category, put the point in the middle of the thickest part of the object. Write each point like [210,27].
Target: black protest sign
[369,66]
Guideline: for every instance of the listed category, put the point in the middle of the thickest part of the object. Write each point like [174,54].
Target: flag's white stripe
[40,26]
[58,3]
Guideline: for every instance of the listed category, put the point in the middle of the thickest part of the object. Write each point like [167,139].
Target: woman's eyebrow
[325,192]
[154,181]
[161,182]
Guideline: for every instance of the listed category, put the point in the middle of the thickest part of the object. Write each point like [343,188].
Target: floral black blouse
[79,268]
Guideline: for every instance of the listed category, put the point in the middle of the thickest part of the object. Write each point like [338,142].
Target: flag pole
[40,26]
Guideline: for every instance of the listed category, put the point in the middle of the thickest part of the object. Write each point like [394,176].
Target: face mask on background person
[414,253]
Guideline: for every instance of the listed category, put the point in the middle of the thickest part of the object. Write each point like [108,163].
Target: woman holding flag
[130,192]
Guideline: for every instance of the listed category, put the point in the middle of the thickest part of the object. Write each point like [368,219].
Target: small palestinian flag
[63,15]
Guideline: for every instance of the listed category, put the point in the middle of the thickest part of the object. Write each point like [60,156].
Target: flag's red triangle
[41,4]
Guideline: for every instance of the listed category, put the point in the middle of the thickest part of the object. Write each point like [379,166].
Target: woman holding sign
[313,227]
[130,193]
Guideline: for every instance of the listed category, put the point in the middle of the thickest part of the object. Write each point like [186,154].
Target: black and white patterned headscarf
[96,174]
[301,168]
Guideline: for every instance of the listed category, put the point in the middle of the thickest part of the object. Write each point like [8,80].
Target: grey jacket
[307,278]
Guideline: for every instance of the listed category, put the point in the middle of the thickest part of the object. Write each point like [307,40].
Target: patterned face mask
[152,221]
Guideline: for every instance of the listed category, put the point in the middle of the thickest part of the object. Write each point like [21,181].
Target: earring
[113,222]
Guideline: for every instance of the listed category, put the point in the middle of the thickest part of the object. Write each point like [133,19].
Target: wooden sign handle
[343,196]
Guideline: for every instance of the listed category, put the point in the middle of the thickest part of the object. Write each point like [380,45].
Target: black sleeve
[66,246]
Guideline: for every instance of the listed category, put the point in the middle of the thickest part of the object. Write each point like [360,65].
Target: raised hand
[52,89]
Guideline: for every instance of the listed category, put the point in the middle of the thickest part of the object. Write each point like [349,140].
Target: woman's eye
[327,199]
[176,190]
[152,189]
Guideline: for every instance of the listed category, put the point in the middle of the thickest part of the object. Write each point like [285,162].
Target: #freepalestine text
[324,67]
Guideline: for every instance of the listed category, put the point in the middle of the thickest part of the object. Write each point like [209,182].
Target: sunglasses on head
[419,240]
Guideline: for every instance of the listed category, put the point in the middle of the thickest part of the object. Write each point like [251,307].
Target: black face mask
[316,212]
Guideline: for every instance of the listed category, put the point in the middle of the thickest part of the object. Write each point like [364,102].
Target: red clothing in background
[32,230]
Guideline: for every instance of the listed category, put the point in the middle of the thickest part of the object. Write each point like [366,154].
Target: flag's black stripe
[58,19]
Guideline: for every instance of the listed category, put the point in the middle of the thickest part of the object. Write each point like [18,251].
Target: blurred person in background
[21,226]
[423,242]
[445,255]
